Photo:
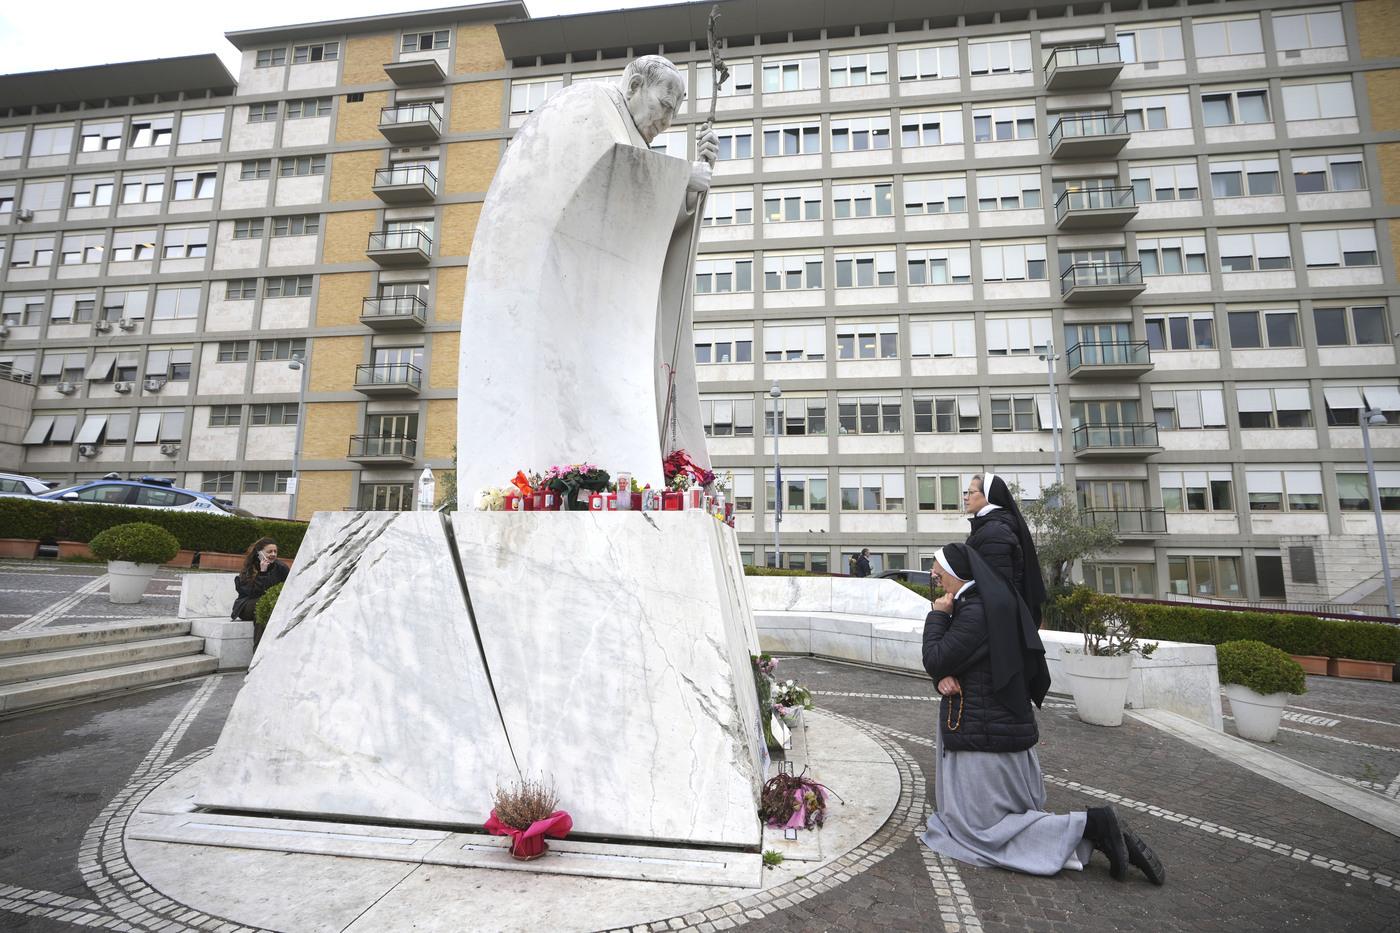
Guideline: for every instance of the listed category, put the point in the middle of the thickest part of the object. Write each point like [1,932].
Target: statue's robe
[577,313]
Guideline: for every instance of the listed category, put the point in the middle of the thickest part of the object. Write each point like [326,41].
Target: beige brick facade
[347,236]
[322,492]
[340,300]
[329,426]
[334,362]
[477,106]
[469,167]
[1383,90]
[365,58]
[442,369]
[360,120]
[451,291]
[1378,22]
[478,49]
[440,432]
[458,228]
[352,174]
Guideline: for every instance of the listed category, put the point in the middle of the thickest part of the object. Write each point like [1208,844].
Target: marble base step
[90,684]
[86,636]
[46,664]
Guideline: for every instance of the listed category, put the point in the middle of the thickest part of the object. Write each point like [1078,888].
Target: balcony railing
[1099,135]
[1082,207]
[400,247]
[405,185]
[410,122]
[1114,436]
[1083,66]
[8,371]
[368,446]
[405,313]
[371,377]
[1127,521]
[1109,354]
[1114,277]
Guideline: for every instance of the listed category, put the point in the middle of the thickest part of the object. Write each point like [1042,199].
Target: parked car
[921,577]
[148,492]
[15,484]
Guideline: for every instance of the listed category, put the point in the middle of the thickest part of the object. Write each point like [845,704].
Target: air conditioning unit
[126,324]
[122,387]
[66,388]
[102,326]
[170,450]
[24,215]
[4,330]
[87,450]
[154,385]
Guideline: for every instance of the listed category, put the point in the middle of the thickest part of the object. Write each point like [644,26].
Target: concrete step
[91,684]
[64,638]
[47,664]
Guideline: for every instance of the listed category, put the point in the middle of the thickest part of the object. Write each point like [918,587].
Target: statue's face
[653,104]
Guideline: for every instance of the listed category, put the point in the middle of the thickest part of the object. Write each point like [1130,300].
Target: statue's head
[654,90]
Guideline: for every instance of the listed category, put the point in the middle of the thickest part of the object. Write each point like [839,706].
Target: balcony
[400,248]
[1116,360]
[1095,208]
[389,314]
[1088,137]
[1083,67]
[405,185]
[378,449]
[393,379]
[1102,281]
[1115,441]
[411,123]
[413,73]
[1138,524]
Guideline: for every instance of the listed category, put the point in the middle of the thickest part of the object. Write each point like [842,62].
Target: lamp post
[1050,356]
[776,393]
[303,365]
[1368,418]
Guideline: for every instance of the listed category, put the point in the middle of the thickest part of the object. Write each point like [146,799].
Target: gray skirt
[991,814]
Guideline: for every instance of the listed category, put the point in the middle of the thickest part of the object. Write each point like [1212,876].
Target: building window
[728,208]
[51,429]
[800,416]
[865,269]
[723,275]
[137,189]
[1015,413]
[172,363]
[870,415]
[795,341]
[740,81]
[283,349]
[176,303]
[248,229]
[1327,100]
[1186,331]
[735,142]
[101,137]
[525,96]
[1122,579]
[1008,192]
[51,141]
[185,242]
[310,107]
[794,74]
[724,345]
[1281,407]
[194,184]
[201,127]
[271,58]
[858,134]
[132,245]
[233,351]
[1277,329]
[62,367]
[386,497]
[83,248]
[301,165]
[79,307]
[958,414]
[854,69]
[21,310]
[147,132]
[255,168]
[91,192]
[227,416]
[1284,490]
[1246,178]
[874,199]
[1172,255]
[263,113]
[425,41]
[238,289]
[872,492]
[266,482]
[792,272]
[740,491]
[1174,182]
[1243,252]
[802,492]
[998,56]
[928,62]
[939,266]
[34,251]
[118,304]
[1150,44]
[1345,403]
[1001,123]
[1157,112]
[1017,336]
[785,139]
[781,205]
[942,338]
[320,52]
[1319,30]
[1228,37]
[299,225]
[940,493]
[727,417]
[288,286]
[1354,491]
[1329,248]
[216,483]
[1341,172]
[1357,325]
[1197,490]
[935,195]
[1223,108]
[278,414]
[933,128]
[1204,576]
[1013,262]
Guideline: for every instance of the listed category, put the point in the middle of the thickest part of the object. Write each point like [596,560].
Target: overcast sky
[38,36]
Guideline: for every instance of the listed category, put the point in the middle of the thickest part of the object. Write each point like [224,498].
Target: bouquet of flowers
[794,801]
[792,694]
[568,481]
[682,472]
[490,499]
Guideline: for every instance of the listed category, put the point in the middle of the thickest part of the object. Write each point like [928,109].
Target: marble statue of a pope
[576,328]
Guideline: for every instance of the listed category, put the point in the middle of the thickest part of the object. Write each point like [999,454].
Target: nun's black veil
[1017,653]
[1032,584]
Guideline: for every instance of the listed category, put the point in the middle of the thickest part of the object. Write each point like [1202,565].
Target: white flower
[491,499]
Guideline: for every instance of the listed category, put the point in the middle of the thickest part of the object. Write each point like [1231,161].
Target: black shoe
[1140,854]
[1104,831]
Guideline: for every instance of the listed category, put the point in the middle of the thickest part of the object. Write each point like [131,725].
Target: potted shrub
[525,812]
[1098,675]
[1257,679]
[134,552]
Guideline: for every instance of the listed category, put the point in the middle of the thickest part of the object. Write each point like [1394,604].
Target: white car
[15,484]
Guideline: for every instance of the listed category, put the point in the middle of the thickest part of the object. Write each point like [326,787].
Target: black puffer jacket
[995,537]
[958,646]
[250,591]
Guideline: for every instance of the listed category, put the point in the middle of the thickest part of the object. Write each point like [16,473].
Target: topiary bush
[1260,667]
[1294,634]
[751,571]
[137,542]
[266,603]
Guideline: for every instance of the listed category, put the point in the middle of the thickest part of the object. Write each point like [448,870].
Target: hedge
[50,521]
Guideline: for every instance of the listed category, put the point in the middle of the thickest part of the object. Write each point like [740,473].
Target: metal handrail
[1101,273]
[1106,124]
[411,113]
[1112,353]
[407,306]
[1094,199]
[1128,434]
[417,175]
[401,239]
[392,374]
[1128,521]
[1083,55]
[381,445]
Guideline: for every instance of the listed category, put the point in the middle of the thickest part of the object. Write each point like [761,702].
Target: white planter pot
[127,581]
[1256,716]
[1099,684]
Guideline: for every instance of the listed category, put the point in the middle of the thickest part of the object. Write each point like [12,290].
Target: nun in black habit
[1000,534]
[983,650]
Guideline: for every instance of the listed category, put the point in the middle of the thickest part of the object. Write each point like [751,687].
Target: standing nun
[1001,536]
[983,651]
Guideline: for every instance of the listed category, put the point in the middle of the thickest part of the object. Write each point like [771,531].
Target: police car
[148,492]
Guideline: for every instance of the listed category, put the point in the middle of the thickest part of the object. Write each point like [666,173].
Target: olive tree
[1063,535]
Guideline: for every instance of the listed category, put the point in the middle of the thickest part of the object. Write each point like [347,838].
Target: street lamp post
[776,393]
[1050,357]
[1368,418]
[303,365]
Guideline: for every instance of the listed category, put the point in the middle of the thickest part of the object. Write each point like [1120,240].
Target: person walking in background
[984,654]
[1001,536]
[261,572]
[862,564]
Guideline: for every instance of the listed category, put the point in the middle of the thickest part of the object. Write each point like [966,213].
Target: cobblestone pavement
[40,594]
[1242,853]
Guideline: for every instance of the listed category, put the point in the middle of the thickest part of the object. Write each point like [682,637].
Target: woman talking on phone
[261,572]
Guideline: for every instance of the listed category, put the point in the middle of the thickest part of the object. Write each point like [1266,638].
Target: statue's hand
[700,173]
[706,144]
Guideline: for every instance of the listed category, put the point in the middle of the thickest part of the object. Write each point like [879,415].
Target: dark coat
[862,566]
[250,591]
[959,646]
[996,538]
